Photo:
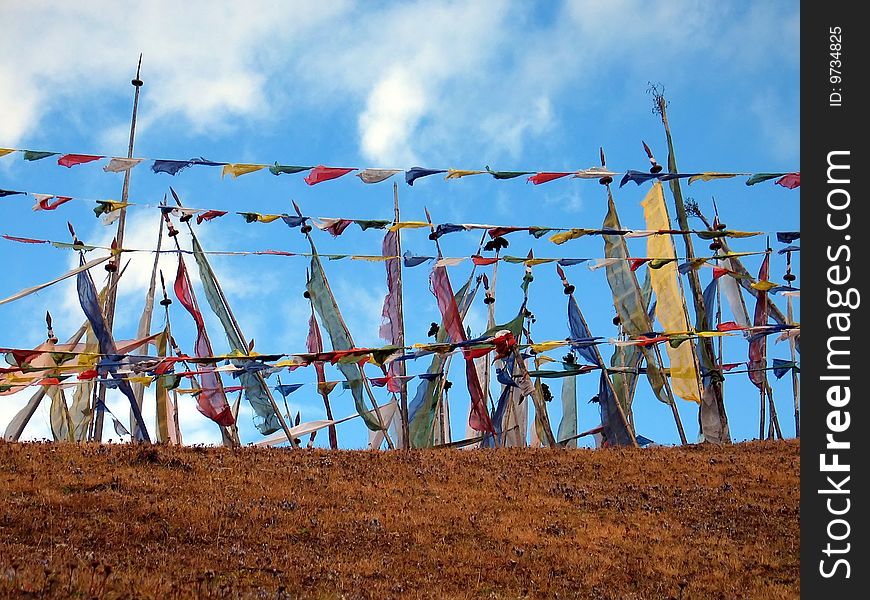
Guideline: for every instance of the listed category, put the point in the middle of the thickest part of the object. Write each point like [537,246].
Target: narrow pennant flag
[5,151]
[412,175]
[90,304]
[324,303]
[172,167]
[507,174]
[211,401]
[36,288]
[321,173]
[759,177]
[237,169]
[758,346]
[594,173]
[209,215]
[71,160]
[376,175]
[35,155]
[459,173]
[710,177]
[787,237]
[119,165]
[790,181]
[285,389]
[4,193]
[539,178]
[452,322]
[277,169]
[334,226]
[43,201]
[638,177]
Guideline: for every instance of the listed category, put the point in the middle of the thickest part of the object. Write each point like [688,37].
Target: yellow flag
[457,173]
[571,234]
[531,262]
[370,257]
[5,151]
[710,177]
[408,225]
[670,303]
[544,346]
[763,285]
[236,169]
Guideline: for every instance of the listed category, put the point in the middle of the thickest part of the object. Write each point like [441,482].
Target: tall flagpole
[795,384]
[119,243]
[403,390]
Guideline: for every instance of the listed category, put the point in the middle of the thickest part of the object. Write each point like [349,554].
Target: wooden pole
[761,414]
[705,344]
[403,390]
[795,384]
[773,427]
[112,297]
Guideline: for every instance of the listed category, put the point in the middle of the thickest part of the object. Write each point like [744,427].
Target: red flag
[482,261]
[23,240]
[321,173]
[47,204]
[476,352]
[478,419]
[790,180]
[314,345]
[209,215]
[729,326]
[719,272]
[501,231]
[337,227]
[539,178]
[211,401]
[637,262]
[71,160]
[758,346]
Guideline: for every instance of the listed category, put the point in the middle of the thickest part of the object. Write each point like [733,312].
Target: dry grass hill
[159,522]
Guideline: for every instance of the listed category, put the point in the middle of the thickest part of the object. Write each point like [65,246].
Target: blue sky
[513,85]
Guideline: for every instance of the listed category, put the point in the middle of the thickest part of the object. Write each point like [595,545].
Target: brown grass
[137,522]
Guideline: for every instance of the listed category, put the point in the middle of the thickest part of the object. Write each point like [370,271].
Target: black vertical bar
[834,535]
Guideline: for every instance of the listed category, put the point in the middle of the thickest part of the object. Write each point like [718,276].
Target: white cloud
[428,80]
[208,64]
